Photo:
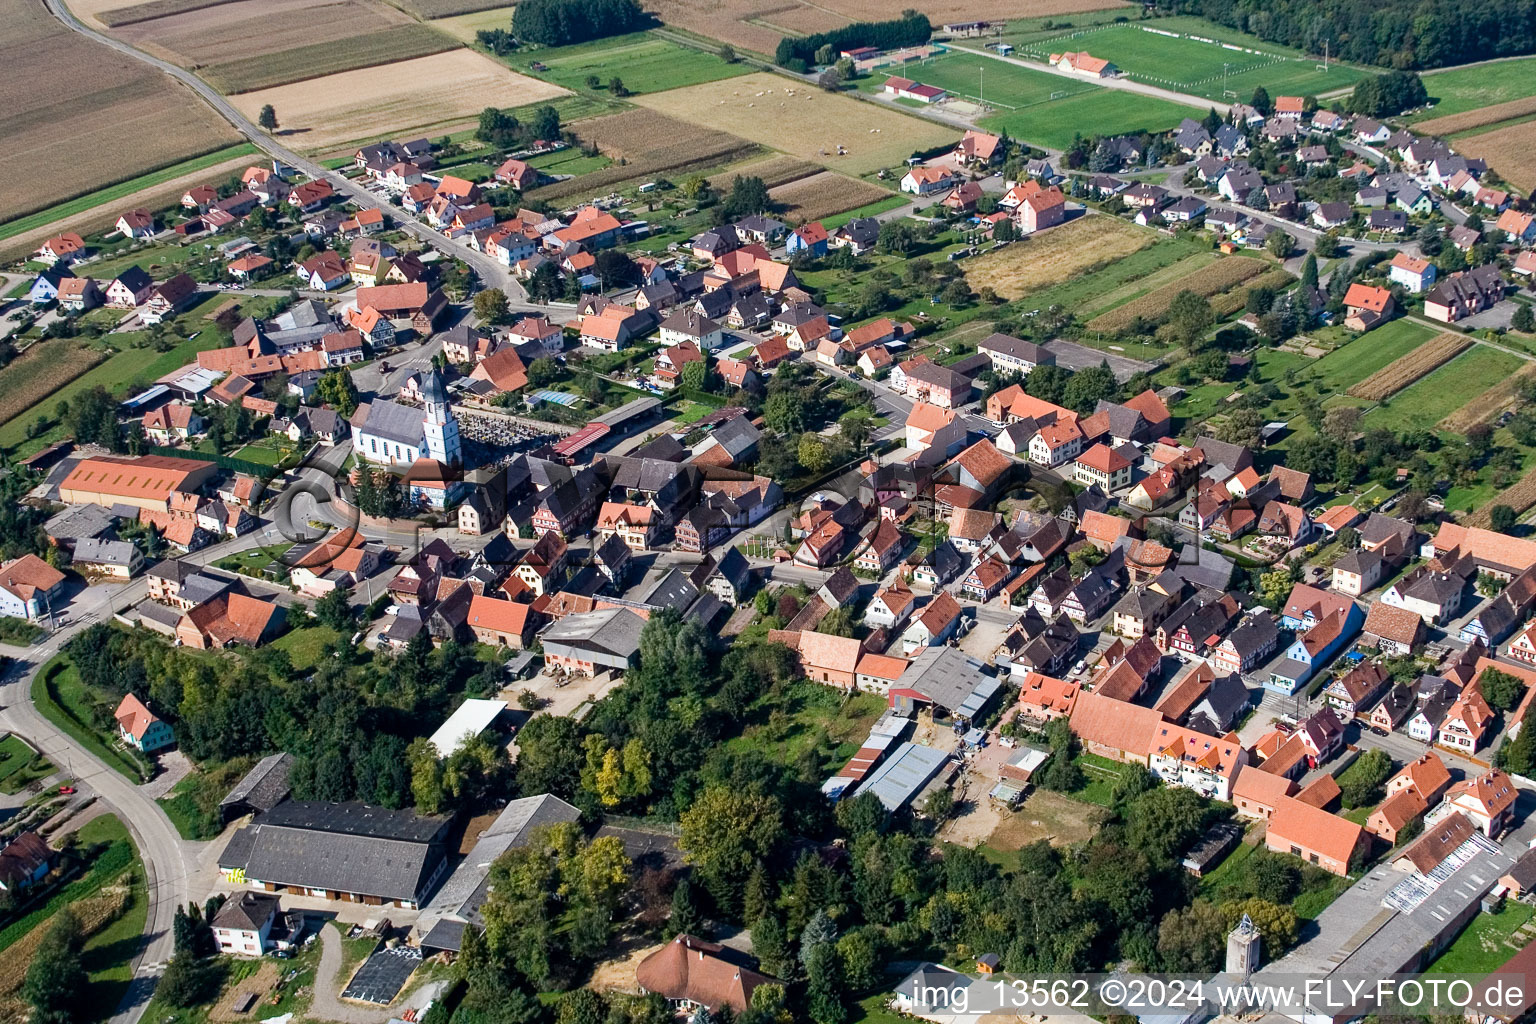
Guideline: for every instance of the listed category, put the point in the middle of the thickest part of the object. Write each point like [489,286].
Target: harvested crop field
[45,367]
[649,144]
[1209,280]
[414,95]
[464,26]
[110,118]
[1230,302]
[1400,373]
[386,46]
[760,24]
[1520,496]
[1055,256]
[803,121]
[1453,123]
[449,8]
[213,34]
[823,194]
[1511,150]
[775,171]
[116,16]
[1491,404]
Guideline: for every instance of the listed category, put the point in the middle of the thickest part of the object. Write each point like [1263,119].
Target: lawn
[306,644]
[1100,774]
[265,452]
[873,209]
[1101,112]
[1346,366]
[569,161]
[20,765]
[1435,396]
[1203,68]
[1464,89]
[253,561]
[108,952]
[1004,85]
[117,855]
[645,63]
[1482,947]
[61,697]
[91,200]
[810,717]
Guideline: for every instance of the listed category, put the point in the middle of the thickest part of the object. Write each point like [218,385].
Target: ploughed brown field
[803,121]
[649,144]
[79,116]
[415,95]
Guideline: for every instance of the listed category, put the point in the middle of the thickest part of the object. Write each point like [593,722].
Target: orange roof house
[692,972]
[145,482]
[229,620]
[498,622]
[1044,698]
[1316,836]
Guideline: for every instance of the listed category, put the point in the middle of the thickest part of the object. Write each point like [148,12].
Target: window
[1295,850]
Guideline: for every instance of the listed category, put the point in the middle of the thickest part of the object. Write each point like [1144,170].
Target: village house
[140,727]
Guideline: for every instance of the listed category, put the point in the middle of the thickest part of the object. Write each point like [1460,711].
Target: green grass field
[1345,367]
[1100,112]
[879,206]
[306,644]
[645,62]
[998,82]
[569,161]
[1464,89]
[107,954]
[91,200]
[1481,947]
[1441,393]
[1201,68]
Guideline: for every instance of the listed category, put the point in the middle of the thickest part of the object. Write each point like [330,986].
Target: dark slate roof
[735,568]
[395,422]
[674,590]
[347,847]
[264,786]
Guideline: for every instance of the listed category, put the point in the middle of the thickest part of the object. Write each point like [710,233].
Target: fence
[228,462]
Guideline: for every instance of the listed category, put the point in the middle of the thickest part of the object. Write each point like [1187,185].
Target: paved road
[169,861]
[490,272]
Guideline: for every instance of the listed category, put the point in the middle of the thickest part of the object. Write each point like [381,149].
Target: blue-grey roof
[396,422]
[904,775]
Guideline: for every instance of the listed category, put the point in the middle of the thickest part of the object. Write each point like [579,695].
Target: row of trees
[504,131]
[563,22]
[350,721]
[798,54]
[1392,33]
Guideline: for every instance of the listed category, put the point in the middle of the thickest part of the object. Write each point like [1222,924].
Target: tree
[491,306]
[1192,939]
[824,988]
[1501,690]
[1327,246]
[1523,320]
[896,237]
[334,611]
[813,453]
[427,786]
[957,293]
[1309,272]
[267,119]
[728,53]
[783,414]
[854,426]
[695,375]
[1189,317]
[545,284]
[563,22]
[1279,244]
[187,981]
[1087,386]
[685,918]
[819,931]
[1341,422]
[335,388]
[1242,427]
[748,195]
[56,982]
[725,832]
[1261,102]
[1165,821]
[1360,784]
[1275,923]
[1501,517]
